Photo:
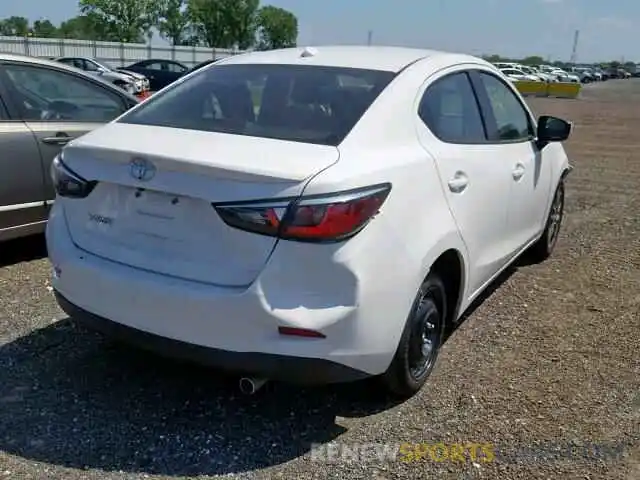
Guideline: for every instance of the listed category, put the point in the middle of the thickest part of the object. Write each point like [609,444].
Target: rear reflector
[300,332]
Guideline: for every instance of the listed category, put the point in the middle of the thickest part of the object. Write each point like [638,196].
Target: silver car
[133,83]
[43,105]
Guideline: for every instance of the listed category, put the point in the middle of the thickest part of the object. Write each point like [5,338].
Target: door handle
[518,172]
[58,139]
[459,182]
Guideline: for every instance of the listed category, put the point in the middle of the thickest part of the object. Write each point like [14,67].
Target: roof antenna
[309,52]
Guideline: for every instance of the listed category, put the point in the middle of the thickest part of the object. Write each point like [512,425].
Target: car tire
[421,340]
[543,248]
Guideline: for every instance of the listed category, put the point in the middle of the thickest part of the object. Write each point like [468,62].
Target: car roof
[386,58]
[34,60]
[151,60]
[61,66]
[80,57]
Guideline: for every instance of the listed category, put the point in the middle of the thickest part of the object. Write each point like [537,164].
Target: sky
[513,28]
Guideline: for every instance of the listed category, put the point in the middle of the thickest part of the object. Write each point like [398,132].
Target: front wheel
[421,340]
[543,248]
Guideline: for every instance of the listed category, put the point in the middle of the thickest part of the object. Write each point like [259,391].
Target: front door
[474,174]
[513,129]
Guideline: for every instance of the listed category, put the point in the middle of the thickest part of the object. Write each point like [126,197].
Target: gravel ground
[547,361]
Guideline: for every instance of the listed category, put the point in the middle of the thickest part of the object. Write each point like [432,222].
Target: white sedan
[565,77]
[306,215]
[519,75]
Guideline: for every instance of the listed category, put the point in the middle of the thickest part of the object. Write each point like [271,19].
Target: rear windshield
[308,104]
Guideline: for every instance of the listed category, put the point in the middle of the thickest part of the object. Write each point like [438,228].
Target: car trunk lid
[165,223]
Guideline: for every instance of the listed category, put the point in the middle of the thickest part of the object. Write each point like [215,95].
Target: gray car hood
[135,75]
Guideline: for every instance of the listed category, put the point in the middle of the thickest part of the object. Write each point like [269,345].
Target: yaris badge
[141,169]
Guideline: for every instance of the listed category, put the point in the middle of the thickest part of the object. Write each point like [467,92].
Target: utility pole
[369,37]
[574,51]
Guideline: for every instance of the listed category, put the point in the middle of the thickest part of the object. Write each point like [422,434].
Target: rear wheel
[543,248]
[421,340]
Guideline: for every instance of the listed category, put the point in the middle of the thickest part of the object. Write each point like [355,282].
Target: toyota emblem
[141,169]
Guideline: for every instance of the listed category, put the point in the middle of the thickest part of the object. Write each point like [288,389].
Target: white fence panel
[112,53]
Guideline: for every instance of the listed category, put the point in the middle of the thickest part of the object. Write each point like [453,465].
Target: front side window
[512,120]
[450,109]
[174,67]
[153,66]
[310,104]
[44,94]
[74,62]
[90,66]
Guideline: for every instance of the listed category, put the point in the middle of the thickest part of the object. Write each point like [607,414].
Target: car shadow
[72,398]
[24,249]
[525,260]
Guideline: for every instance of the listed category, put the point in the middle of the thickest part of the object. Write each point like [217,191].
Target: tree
[14,26]
[86,27]
[277,28]
[242,22]
[44,29]
[127,20]
[224,23]
[173,21]
[533,60]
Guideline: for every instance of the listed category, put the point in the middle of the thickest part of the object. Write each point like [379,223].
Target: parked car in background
[564,76]
[203,64]
[622,73]
[43,105]
[558,74]
[614,72]
[159,72]
[533,71]
[133,84]
[501,65]
[584,74]
[137,76]
[191,224]
[519,75]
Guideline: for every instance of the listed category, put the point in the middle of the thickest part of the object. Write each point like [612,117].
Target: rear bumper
[275,367]
[236,329]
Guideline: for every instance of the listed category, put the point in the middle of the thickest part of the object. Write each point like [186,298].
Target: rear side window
[450,109]
[310,104]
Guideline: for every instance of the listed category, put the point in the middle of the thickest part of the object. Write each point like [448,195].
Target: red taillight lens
[316,218]
[300,332]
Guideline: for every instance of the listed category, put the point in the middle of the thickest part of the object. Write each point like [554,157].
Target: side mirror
[552,129]
[100,70]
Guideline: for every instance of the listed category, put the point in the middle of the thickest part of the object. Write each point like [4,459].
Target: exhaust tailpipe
[249,385]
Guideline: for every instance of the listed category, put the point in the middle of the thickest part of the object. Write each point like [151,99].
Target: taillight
[333,217]
[67,183]
[300,332]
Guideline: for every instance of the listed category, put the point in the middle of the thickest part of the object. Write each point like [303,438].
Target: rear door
[58,106]
[22,186]
[475,175]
